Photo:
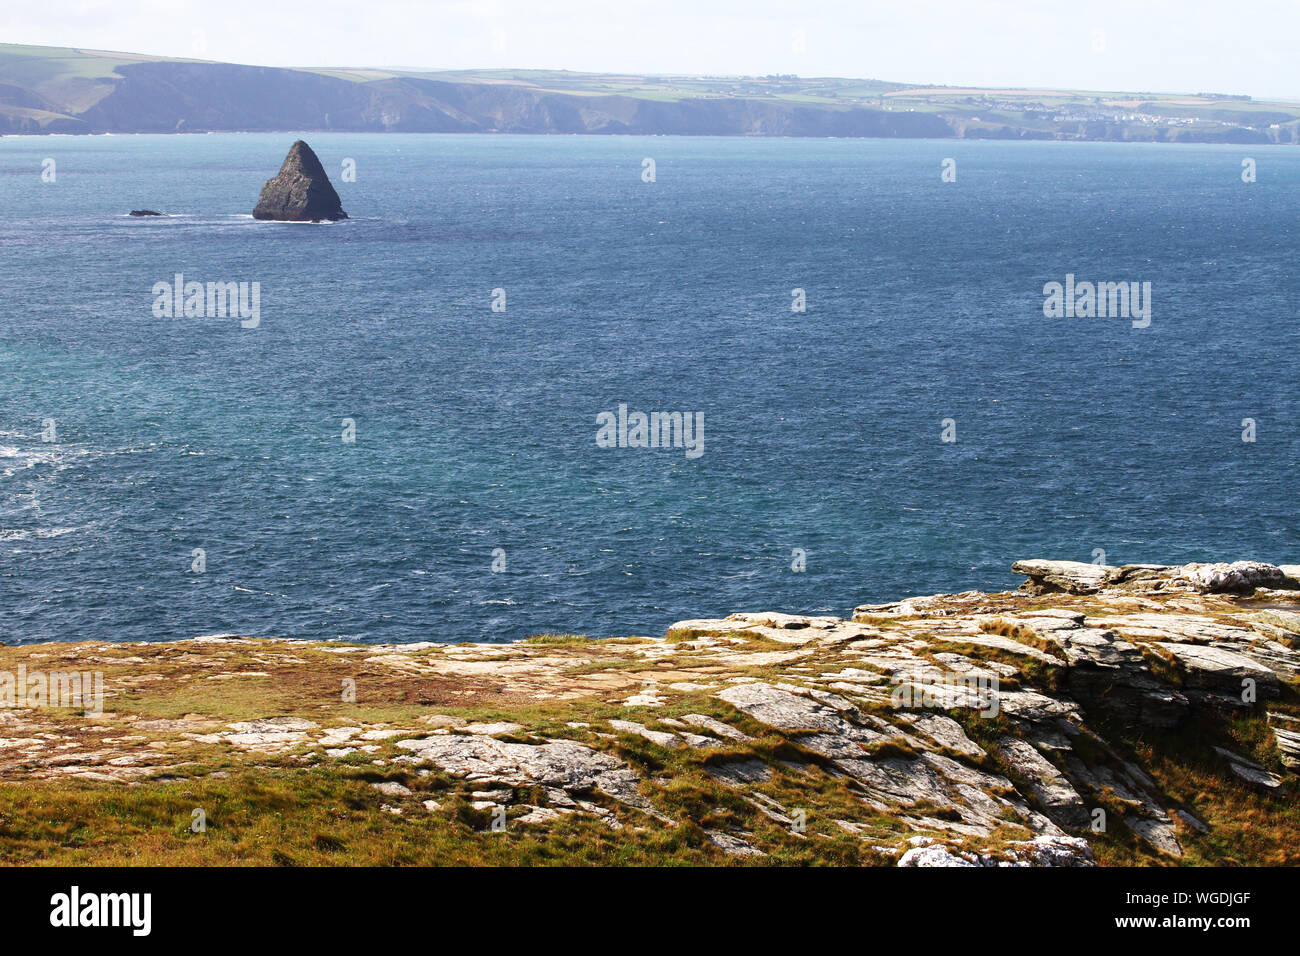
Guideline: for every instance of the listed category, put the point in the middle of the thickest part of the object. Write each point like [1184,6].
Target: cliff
[1098,715]
[52,90]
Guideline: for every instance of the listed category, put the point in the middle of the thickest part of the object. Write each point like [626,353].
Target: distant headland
[58,90]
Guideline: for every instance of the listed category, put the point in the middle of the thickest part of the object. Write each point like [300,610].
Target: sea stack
[300,192]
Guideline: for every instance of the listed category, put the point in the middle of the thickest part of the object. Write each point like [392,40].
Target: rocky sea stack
[300,192]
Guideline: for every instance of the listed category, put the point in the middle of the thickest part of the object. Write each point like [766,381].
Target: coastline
[1098,716]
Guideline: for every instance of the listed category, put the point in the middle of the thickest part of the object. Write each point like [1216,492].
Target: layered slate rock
[300,192]
[559,764]
[1239,577]
[1077,577]
[1040,851]
[1070,577]
[971,729]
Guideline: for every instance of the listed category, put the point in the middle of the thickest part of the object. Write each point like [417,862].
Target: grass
[303,808]
[559,639]
[310,818]
[69,80]
[1247,827]
[330,815]
[288,812]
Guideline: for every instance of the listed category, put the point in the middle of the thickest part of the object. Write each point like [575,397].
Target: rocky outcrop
[1040,851]
[1286,737]
[1152,718]
[1077,577]
[1070,577]
[556,764]
[300,192]
[1240,577]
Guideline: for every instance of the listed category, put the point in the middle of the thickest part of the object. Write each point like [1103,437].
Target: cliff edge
[1099,715]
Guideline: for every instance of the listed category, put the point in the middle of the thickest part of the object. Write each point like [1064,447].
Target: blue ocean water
[476,430]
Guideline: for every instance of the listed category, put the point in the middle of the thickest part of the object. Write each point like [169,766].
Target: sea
[430,428]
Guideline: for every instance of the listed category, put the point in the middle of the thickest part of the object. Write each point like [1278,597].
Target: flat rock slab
[1072,577]
[740,772]
[782,709]
[1052,788]
[1040,851]
[1239,577]
[564,764]
[1217,668]
[661,737]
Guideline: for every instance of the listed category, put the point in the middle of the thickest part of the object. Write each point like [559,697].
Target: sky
[1247,46]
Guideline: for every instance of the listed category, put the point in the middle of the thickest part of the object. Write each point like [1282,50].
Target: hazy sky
[1247,46]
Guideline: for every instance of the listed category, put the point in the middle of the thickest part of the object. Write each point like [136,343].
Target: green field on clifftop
[51,89]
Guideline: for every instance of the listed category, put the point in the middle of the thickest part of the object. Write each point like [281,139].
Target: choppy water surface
[476,430]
